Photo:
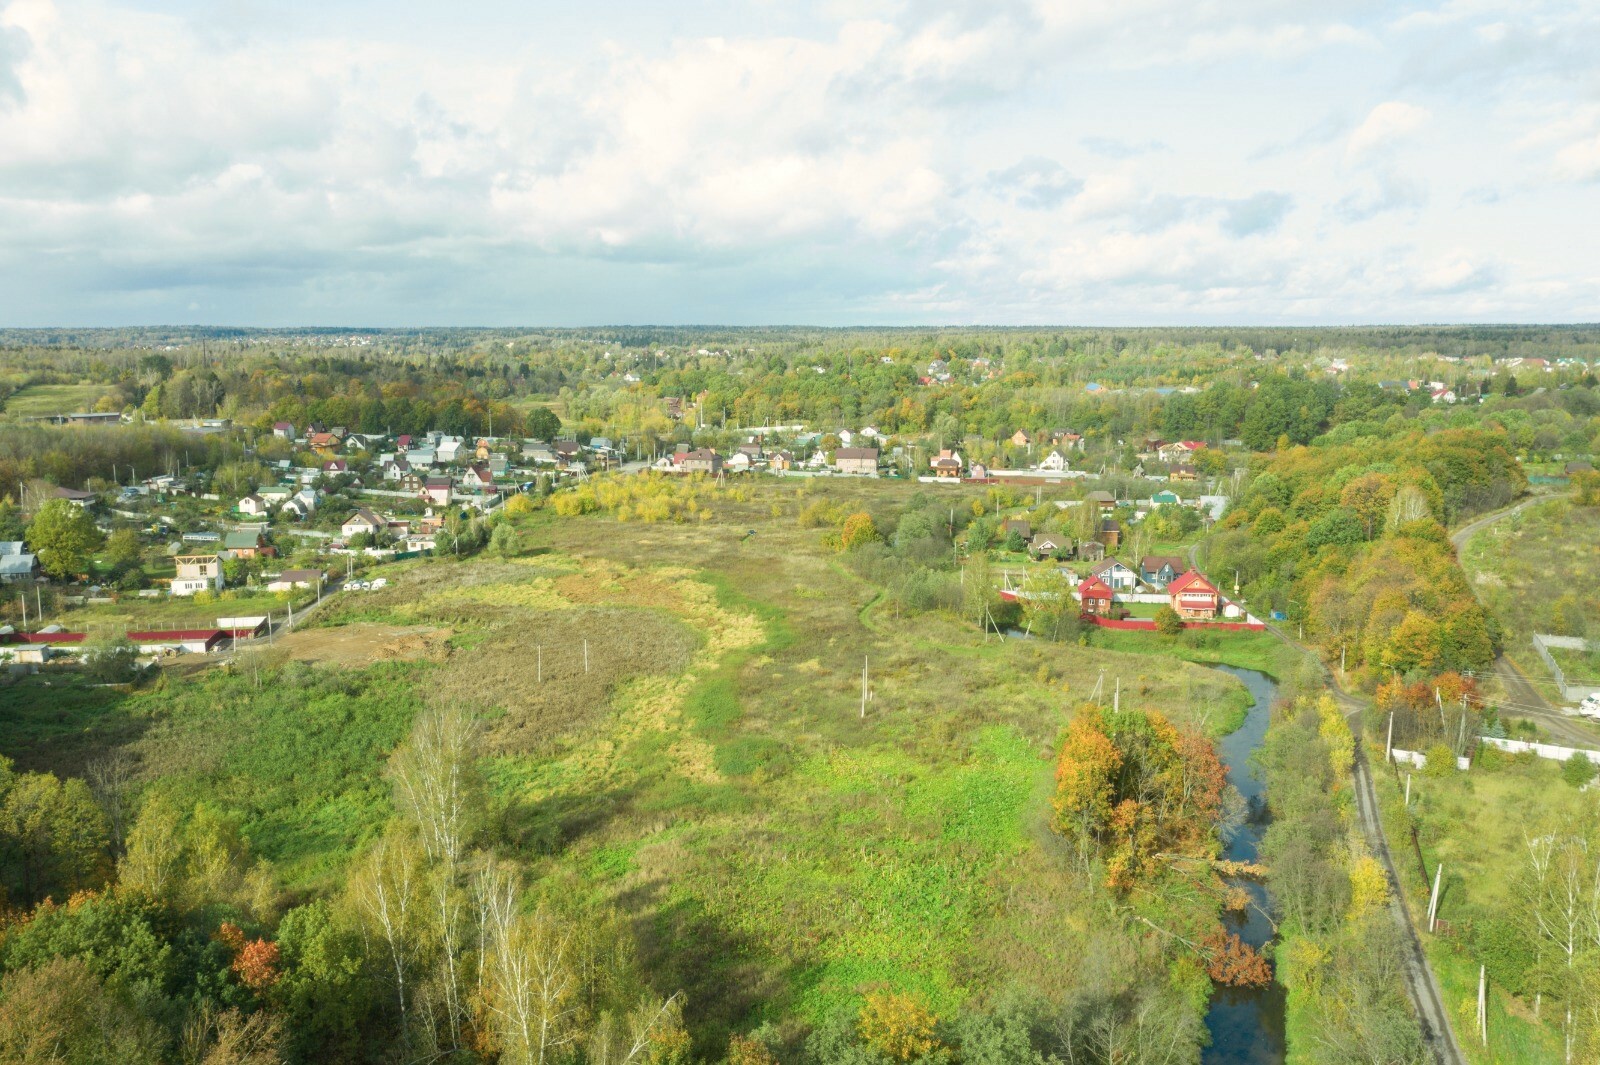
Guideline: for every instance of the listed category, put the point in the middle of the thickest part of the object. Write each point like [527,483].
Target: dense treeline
[967,388]
[1351,539]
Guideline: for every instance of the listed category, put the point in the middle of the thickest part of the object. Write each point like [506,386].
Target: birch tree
[436,783]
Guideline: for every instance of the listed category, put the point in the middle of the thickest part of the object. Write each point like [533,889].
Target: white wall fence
[1554,752]
[1551,751]
[1418,760]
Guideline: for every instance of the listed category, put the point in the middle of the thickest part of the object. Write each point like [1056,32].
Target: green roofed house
[1166,495]
[242,544]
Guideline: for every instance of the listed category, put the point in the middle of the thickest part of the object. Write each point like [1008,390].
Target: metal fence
[1570,691]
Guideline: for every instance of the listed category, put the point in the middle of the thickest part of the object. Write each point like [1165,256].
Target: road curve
[1525,698]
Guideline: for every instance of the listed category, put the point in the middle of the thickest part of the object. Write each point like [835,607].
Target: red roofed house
[1180,450]
[1194,597]
[1096,595]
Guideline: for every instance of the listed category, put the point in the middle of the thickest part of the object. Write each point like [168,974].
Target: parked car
[1590,707]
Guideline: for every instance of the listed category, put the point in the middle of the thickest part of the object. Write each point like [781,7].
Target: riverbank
[1247,1025]
[1339,955]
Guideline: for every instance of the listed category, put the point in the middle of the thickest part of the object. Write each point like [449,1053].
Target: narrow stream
[1247,1026]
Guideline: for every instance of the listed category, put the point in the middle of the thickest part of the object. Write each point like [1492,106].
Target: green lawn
[712,772]
[136,613]
[36,400]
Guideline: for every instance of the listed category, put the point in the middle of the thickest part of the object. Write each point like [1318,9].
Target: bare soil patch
[363,643]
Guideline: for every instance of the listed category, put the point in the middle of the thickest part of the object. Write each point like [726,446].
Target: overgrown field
[1536,571]
[709,767]
[1484,827]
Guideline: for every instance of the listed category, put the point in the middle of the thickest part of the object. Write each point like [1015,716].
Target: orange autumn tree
[1135,786]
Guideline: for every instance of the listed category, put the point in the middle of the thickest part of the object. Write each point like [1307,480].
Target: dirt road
[1421,984]
[1522,698]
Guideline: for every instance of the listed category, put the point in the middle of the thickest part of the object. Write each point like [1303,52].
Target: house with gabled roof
[947,464]
[1193,596]
[243,543]
[477,476]
[701,460]
[857,461]
[438,490]
[1158,571]
[1049,545]
[1095,595]
[1116,576]
[362,521]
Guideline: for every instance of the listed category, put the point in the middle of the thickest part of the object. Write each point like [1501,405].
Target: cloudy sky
[401,162]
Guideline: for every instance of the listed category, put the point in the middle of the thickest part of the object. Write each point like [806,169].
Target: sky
[1050,162]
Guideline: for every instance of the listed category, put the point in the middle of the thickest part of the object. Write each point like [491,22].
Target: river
[1247,1026]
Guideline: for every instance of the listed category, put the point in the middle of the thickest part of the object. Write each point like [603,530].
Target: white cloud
[1391,122]
[1009,161]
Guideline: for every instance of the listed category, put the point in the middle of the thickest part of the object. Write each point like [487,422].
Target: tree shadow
[722,973]
[56,721]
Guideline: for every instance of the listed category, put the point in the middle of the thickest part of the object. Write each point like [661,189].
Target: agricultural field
[37,400]
[1536,571]
[674,724]
[1483,826]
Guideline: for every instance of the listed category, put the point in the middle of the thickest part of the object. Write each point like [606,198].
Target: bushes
[1578,770]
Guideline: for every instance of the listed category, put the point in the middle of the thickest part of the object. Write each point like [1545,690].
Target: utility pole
[1483,1004]
[586,656]
[864,684]
[1433,902]
[538,663]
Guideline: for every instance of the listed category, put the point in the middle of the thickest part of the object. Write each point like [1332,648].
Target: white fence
[1543,750]
[1551,751]
[1419,760]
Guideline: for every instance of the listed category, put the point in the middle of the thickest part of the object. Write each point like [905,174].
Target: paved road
[1522,698]
[1460,536]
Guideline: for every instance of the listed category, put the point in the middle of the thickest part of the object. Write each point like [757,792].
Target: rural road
[1522,698]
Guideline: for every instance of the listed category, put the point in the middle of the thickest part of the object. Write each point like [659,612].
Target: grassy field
[131,612]
[36,400]
[675,725]
[1475,824]
[1535,571]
